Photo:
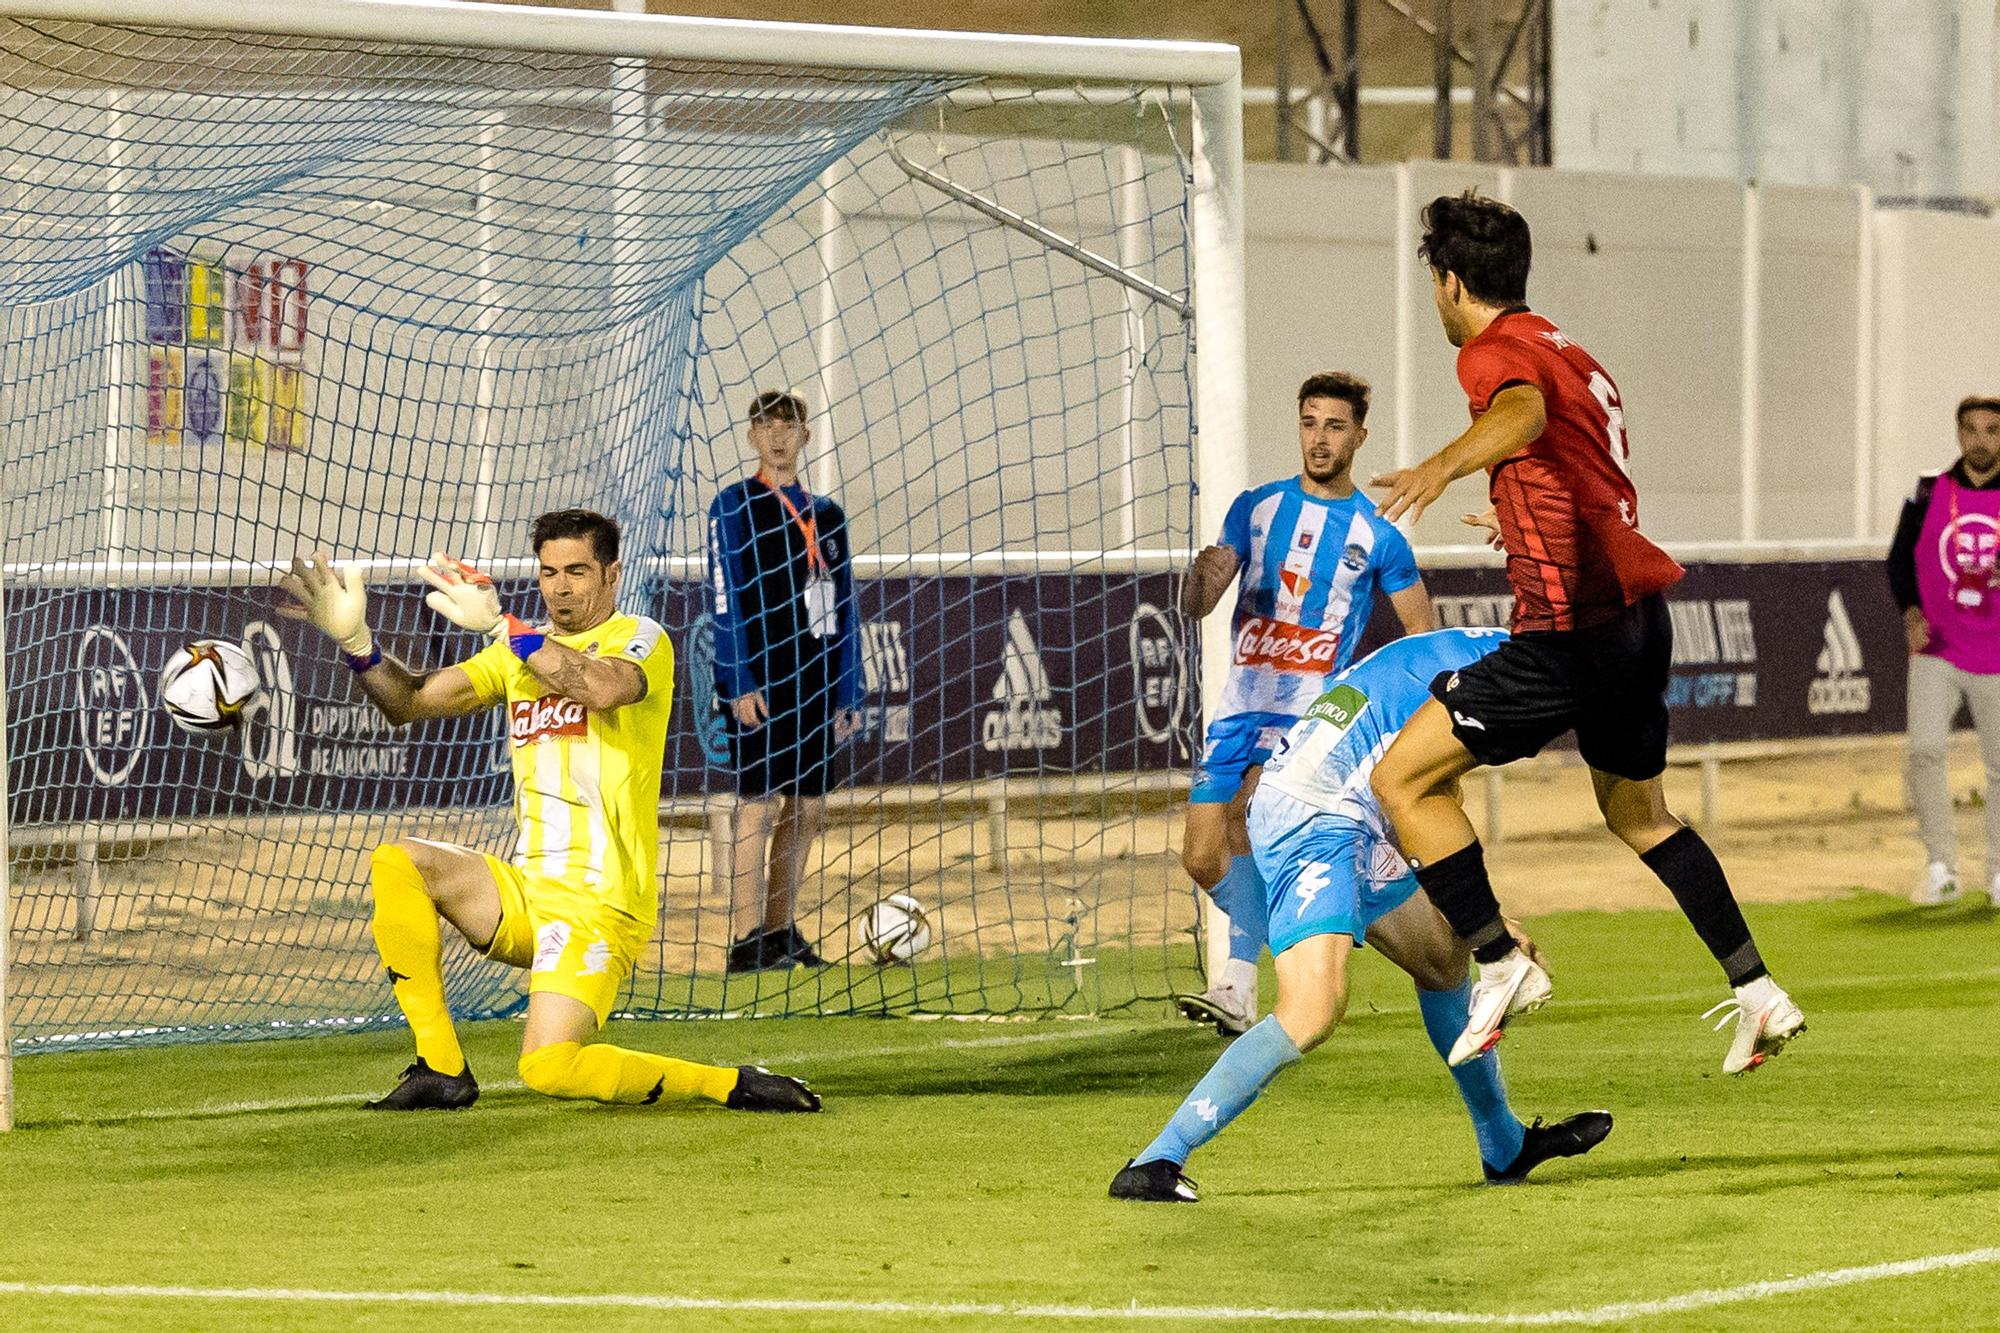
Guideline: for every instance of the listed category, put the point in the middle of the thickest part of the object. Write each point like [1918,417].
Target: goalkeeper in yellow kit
[588,697]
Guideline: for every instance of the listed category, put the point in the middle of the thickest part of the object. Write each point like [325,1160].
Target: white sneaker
[1766,1020]
[1514,985]
[1225,1005]
[1937,888]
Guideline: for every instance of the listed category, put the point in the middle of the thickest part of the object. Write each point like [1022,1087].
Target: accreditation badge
[821,616]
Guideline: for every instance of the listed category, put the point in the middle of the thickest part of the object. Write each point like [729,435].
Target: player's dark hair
[1349,389]
[1482,241]
[560,523]
[1978,402]
[776,403]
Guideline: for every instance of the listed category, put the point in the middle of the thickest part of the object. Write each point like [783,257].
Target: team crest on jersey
[1355,557]
[1305,539]
[550,717]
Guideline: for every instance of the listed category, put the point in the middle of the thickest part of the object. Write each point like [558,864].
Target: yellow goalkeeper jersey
[587,783]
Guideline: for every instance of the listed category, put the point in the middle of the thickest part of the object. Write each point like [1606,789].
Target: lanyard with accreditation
[821,616]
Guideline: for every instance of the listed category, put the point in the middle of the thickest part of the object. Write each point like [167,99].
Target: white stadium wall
[1938,339]
[1659,278]
[1898,94]
[1649,272]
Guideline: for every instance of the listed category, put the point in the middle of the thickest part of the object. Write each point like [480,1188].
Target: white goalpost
[386,276]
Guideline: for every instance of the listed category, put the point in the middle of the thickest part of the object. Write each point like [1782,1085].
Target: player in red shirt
[1592,642]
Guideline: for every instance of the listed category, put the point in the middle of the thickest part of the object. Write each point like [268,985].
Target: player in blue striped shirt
[1336,880]
[1313,553]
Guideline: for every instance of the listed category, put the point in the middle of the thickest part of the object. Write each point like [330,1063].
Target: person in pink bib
[1942,570]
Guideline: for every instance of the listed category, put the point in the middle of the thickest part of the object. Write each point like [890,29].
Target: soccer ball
[205,685]
[895,930]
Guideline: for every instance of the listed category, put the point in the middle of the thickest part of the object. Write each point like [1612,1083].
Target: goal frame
[1212,72]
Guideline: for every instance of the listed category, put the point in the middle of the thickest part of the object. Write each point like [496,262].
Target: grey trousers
[1936,688]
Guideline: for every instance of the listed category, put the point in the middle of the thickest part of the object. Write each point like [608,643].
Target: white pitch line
[1603,1314]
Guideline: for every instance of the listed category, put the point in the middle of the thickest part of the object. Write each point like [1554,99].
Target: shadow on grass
[1153,1060]
[1909,917]
[1930,1171]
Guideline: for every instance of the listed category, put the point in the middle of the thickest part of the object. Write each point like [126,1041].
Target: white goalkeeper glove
[461,594]
[467,598]
[334,600]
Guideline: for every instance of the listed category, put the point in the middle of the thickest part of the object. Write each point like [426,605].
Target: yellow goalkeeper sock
[406,935]
[614,1074]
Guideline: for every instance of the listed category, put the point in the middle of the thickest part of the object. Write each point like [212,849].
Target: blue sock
[1499,1130]
[1241,896]
[1230,1085]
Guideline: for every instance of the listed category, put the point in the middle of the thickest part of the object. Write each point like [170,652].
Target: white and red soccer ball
[205,686]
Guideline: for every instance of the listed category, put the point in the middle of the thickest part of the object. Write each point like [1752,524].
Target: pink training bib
[1957,579]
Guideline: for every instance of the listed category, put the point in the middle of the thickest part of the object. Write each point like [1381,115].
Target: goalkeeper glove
[334,600]
[467,598]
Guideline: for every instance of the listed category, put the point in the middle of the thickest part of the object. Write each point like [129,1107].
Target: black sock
[1692,874]
[1458,887]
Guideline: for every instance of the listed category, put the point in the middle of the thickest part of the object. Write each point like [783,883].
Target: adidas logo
[1023,720]
[1842,683]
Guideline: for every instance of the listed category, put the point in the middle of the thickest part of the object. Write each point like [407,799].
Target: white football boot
[1937,888]
[1766,1020]
[1230,1003]
[1514,985]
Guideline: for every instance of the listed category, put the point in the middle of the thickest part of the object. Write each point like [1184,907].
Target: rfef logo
[1159,677]
[550,717]
[112,710]
[1282,646]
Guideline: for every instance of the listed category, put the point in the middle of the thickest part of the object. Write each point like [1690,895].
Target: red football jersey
[1569,515]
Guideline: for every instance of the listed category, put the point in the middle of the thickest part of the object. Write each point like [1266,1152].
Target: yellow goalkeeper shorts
[569,945]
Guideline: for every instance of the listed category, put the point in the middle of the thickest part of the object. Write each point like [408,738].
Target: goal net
[399,278]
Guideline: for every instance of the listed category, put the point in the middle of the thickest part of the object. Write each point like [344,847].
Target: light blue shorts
[1326,874]
[1232,745]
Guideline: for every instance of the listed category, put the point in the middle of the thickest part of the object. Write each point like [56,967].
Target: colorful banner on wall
[225,349]
[965,678]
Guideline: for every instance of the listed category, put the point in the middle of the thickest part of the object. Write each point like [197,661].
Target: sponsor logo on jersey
[1295,583]
[1024,720]
[1355,557]
[1339,706]
[550,717]
[112,709]
[1968,549]
[1280,646]
[1841,685]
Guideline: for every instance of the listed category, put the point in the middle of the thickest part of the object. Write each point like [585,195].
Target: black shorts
[791,752]
[1608,683]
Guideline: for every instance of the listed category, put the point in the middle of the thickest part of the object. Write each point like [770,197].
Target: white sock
[1754,995]
[1240,975]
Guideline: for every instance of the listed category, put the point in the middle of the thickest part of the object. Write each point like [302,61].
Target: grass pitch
[966,1164]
